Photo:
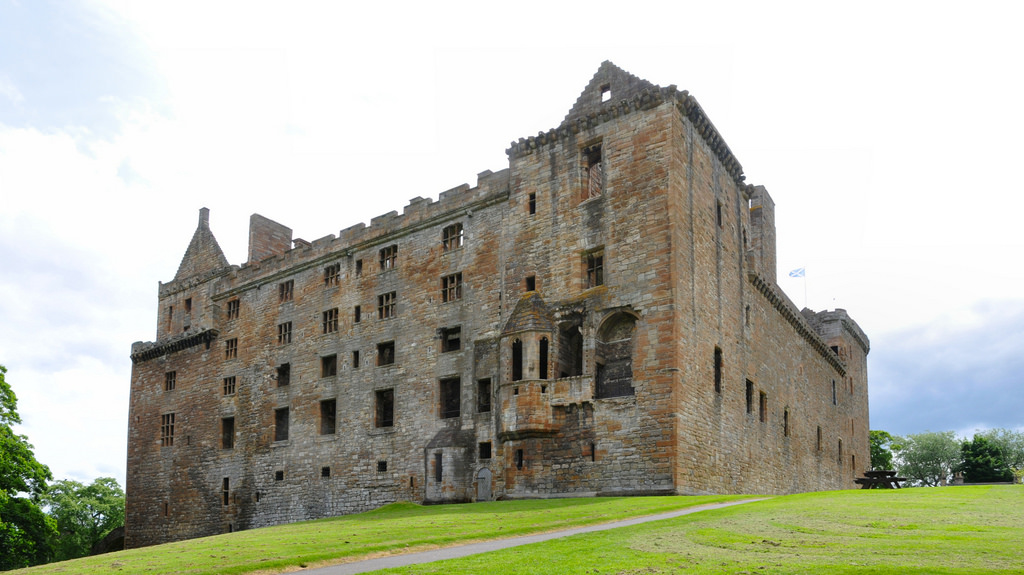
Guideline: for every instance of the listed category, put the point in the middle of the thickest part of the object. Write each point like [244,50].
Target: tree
[1011,446]
[983,462]
[25,532]
[927,458]
[881,456]
[84,514]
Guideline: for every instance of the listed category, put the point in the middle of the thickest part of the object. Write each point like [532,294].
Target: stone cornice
[142,352]
[857,335]
[796,320]
[646,100]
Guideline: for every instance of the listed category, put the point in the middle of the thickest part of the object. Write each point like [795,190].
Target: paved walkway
[493,545]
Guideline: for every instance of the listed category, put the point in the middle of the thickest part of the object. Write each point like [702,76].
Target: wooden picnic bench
[879,479]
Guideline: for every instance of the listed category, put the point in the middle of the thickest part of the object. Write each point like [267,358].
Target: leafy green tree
[881,455]
[25,531]
[1011,446]
[983,462]
[84,514]
[927,458]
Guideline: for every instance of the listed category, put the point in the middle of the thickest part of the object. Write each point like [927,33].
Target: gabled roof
[617,83]
[203,254]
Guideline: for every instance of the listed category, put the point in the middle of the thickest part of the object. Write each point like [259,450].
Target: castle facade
[600,318]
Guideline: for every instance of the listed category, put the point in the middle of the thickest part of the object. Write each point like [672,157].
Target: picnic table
[879,479]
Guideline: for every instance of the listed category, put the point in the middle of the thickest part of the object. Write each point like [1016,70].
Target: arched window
[517,360]
[543,358]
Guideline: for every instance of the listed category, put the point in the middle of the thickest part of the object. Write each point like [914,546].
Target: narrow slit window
[532,203]
[750,396]
[519,459]
[227,433]
[226,494]
[718,370]
[438,469]
[483,395]
[763,407]
[543,358]
[594,174]
[517,360]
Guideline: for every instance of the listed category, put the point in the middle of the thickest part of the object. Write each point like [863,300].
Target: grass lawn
[399,527]
[963,530]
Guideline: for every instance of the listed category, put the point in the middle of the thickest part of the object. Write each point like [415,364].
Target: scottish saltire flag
[797,273]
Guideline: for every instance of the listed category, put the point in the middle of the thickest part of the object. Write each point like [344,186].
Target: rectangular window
[188,305]
[785,423]
[284,374]
[229,385]
[484,450]
[718,370]
[384,408]
[386,305]
[438,470]
[169,380]
[451,287]
[531,283]
[451,237]
[227,433]
[595,269]
[519,459]
[285,290]
[284,332]
[357,315]
[594,174]
[328,411]
[483,395]
[763,407]
[835,399]
[167,430]
[382,466]
[819,439]
[281,424]
[234,308]
[332,275]
[170,315]
[226,492]
[359,268]
[750,396]
[231,348]
[325,472]
[386,353]
[329,366]
[532,204]
[355,359]
[451,398]
[330,321]
[279,476]
[451,339]
[718,213]
[388,258]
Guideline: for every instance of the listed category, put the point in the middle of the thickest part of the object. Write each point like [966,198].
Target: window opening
[281,424]
[451,394]
[386,353]
[358,314]
[234,308]
[531,283]
[606,93]
[452,237]
[595,269]
[763,407]
[332,275]
[355,359]
[533,204]
[451,339]
[284,333]
[818,444]
[329,365]
[231,348]
[785,423]
[483,395]
[226,492]
[385,408]
[325,472]
[718,370]
[285,290]
[570,351]
[451,287]
[382,466]
[328,412]
[519,459]
[284,374]
[593,451]
[227,433]
[594,172]
[517,360]
[835,400]
[718,213]
[330,320]
[229,385]
[484,450]
[279,476]
[359,268]
[438,471]
[839,454]
[167,430]
[388,258]
[386,305]
[188,305]
[169,380]
[750,396]
[170,315]
[543,358]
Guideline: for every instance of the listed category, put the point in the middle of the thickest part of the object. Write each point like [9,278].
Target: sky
[883,131]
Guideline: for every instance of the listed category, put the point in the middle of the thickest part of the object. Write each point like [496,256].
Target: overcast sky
[889,135]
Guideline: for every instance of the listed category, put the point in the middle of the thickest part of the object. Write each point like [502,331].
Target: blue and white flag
[797,273]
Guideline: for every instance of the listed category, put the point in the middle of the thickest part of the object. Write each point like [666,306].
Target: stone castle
[600,318]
